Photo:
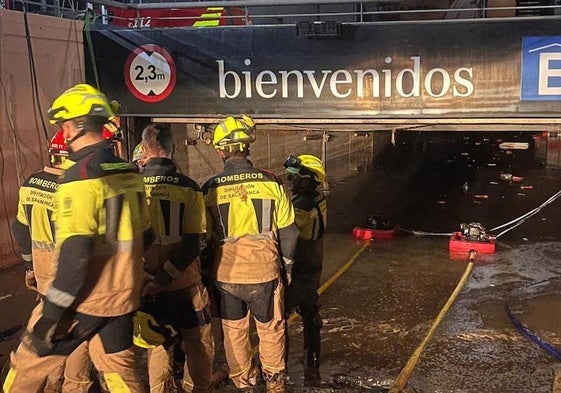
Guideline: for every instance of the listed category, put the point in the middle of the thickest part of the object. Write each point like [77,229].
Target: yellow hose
[403,377]
[294,316]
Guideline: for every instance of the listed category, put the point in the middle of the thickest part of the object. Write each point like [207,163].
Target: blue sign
[541,69]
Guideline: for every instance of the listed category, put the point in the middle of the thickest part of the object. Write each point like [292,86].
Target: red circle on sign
[134,89]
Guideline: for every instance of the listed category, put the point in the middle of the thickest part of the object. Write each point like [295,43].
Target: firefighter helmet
[109,134]
[78,101]
[306,165]
[137,153]
[148,333]
[58,149]
[234,132]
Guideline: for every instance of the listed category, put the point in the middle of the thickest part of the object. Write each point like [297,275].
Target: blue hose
[526,332]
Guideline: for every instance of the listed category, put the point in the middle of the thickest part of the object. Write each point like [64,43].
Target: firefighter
[33,230]
[101,224]
[253,223]
[176,294]
[305,174]
[138,157]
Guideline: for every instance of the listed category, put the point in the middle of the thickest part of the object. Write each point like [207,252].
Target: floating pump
[472,236]
[377,227]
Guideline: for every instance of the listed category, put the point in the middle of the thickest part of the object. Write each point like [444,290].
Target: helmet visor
[293,164]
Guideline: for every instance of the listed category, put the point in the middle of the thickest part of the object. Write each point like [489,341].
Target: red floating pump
[377,226]
[378,234]
[472,237]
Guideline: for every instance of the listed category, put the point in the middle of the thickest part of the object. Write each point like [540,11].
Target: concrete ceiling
[367,125]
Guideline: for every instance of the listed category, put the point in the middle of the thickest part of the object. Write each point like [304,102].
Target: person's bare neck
[159,154]
[88,139]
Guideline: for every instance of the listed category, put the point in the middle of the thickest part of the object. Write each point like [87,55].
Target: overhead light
[514,146]
[312,137]
[316,137]
[362,134]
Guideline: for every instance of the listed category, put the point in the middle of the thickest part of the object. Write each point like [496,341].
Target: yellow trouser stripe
[9,380]
[115,383]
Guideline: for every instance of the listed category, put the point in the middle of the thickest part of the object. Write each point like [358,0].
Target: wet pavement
[378,312]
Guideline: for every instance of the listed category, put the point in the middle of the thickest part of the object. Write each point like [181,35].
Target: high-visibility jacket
[35,211]
[310,208]
[177,208]
[101,217]
[247,207]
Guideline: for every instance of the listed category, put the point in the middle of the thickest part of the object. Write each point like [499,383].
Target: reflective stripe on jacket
[247,206]
[35,210]
[176,208]
[102,198]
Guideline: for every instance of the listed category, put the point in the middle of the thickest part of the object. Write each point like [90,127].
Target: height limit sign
[150,73]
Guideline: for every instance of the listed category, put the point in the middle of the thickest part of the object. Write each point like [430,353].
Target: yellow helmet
[78,101]
[306,165]
[137,153]
[148,333]
[234,132]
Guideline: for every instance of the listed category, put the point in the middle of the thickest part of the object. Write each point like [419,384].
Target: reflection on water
[381,309]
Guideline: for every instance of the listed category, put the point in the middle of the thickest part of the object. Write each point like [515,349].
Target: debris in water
[363,383]
[506,176]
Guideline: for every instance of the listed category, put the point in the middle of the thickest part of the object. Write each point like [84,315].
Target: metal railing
[283,11]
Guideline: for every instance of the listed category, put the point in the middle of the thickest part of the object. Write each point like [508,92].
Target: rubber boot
[276,384]
[312,376]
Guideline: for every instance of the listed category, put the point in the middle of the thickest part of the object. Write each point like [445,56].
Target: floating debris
[363,383]
[526,187]
[506,176]
[481,196]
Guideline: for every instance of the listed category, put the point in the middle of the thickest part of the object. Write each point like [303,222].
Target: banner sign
[486,68]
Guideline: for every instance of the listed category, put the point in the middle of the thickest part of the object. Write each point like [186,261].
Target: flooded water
[381,309]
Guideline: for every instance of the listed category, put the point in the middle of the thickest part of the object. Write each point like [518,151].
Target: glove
[288,264]
[41,338]
[30,281]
